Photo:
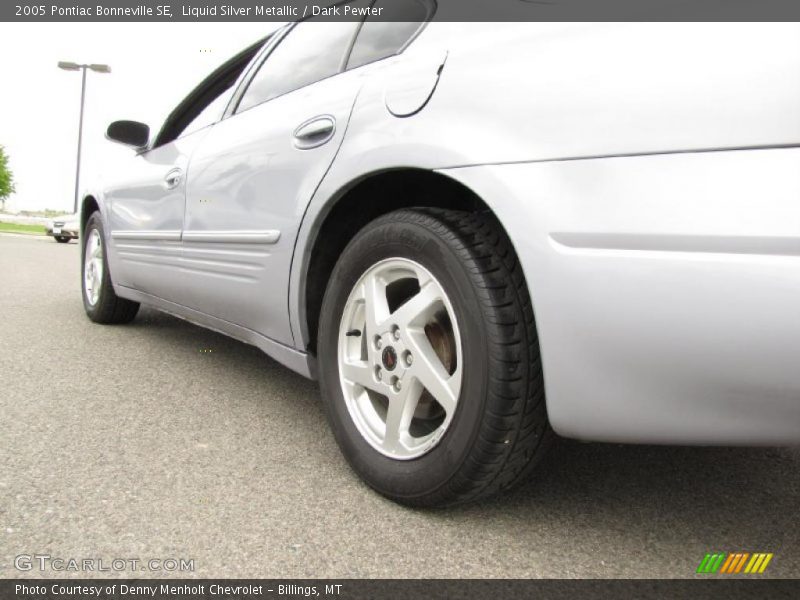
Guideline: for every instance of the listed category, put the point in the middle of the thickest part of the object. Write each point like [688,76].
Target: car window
[210,114]
[312,51]
[400,20]
[199,108]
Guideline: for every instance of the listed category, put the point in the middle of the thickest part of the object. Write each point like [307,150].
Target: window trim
[187,109]
[281,34]
[432,7]
[253,67]
[264,57]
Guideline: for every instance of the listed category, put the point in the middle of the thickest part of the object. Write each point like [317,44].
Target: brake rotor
[444,345]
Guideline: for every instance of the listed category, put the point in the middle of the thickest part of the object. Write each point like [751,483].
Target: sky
[153,67]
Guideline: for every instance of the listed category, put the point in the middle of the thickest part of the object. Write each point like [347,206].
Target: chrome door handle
[315,132]
[173,178]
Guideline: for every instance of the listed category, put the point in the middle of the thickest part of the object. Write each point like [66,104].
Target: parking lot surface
[160,440]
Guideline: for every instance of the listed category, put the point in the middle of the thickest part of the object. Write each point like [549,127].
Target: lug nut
[378,373]
[378,343]
[397,387]
[396,333]
[409,359]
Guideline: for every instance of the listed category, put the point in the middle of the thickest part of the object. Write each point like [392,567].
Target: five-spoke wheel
[428,358]
[100,301]
[400,358]
[93,267]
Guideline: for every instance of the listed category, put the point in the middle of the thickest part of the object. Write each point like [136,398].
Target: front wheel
[429,359]
[62,239]
[101,303]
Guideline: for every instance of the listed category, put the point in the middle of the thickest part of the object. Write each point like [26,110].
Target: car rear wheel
[101,303]
[62,240]
[429,360]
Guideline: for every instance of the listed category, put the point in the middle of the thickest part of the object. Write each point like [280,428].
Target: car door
[146,204]
[252,175]
[145,208]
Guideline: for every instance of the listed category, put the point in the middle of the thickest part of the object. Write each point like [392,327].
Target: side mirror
[130,133]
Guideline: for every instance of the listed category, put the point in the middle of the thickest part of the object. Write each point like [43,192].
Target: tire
[102,305]
[61,239]
[494,433]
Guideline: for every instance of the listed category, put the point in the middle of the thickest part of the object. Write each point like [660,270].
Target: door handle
[315,132]
[173,178]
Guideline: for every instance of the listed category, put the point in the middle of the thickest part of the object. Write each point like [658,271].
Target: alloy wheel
[93,267]
[400,359]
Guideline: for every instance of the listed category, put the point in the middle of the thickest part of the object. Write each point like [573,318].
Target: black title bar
[448,10]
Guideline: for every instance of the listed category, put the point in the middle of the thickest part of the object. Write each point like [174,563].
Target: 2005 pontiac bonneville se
[474,235]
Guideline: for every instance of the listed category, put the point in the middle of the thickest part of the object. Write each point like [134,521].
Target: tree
[6,179]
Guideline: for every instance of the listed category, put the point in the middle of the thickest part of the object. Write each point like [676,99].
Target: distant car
[64,228]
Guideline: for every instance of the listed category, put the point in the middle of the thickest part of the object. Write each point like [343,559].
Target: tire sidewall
[423,475]
[95,221]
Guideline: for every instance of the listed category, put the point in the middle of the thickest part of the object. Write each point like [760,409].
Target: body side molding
[163,236]
[270,236]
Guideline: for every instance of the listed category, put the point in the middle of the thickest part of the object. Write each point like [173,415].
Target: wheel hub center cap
[389,358]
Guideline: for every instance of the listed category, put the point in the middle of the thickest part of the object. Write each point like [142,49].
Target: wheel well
[88,206]
[364,201]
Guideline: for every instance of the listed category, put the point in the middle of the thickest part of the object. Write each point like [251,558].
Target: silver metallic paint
[647,175]
[249,173]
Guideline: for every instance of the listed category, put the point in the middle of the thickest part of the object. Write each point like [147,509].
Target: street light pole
[71,66]
[80,140]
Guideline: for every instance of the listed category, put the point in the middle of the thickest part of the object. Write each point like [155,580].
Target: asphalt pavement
[161,440]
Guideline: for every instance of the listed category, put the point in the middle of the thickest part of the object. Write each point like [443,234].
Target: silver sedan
[478,235]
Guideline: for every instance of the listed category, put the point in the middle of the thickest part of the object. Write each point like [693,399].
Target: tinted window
[380,39]
[199,108]
[210,114]
[310,52]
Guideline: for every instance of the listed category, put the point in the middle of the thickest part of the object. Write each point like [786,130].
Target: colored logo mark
[735,563]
